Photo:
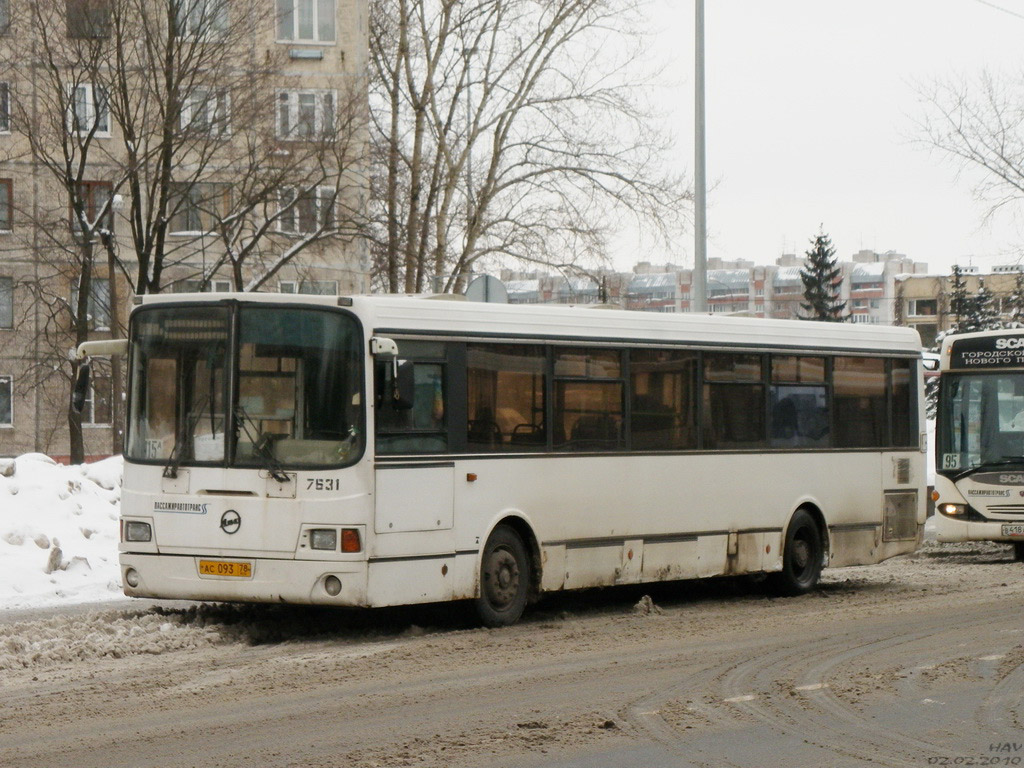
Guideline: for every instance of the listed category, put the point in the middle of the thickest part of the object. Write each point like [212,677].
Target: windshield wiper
[174,459]
[1000,462]
[262,445]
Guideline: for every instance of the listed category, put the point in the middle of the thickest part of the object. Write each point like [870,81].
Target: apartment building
[304,64]
[923,301]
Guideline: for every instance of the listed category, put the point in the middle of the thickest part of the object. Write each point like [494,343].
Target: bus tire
[802,556]
[504,578]
[1018,551]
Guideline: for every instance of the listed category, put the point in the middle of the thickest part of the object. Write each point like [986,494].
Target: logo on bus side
[188,508]
[230,522]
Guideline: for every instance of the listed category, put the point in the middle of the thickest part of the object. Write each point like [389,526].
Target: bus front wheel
[504,578]
[1018,551]
[802,556]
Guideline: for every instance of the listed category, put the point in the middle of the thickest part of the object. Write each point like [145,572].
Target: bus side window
[505,385]
[798,402]
[664,399]
[418,425]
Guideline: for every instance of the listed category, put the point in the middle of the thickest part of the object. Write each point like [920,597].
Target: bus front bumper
[949,530]
[265,581]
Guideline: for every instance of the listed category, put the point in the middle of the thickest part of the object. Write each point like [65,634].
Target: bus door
[415,487]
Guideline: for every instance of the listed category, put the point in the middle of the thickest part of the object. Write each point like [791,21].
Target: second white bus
[979,437]
[374,451]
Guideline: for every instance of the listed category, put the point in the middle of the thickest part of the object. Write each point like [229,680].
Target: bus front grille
[1006,509]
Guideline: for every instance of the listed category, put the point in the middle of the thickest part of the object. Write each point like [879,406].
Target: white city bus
[979,439]
[375,451]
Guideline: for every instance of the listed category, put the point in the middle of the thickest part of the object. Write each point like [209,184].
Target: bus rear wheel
[802,556]
[1018,551]
[504,578]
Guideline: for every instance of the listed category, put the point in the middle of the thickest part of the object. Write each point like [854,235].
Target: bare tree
[979,125]
[508,129]
[171,112]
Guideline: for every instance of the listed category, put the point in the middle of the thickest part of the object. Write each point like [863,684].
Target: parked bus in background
[979,437]
[374,451]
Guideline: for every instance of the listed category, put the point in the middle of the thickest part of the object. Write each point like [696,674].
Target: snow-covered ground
[58,531]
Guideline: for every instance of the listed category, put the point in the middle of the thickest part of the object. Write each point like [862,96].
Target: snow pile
[58,531]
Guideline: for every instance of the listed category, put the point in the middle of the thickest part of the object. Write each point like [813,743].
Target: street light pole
[698,290]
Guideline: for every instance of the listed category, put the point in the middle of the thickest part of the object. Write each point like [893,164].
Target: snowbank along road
[913,662]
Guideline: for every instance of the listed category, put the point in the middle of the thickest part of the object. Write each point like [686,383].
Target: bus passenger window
[904,412]
[798,409]
[505,397]
[858,396]
[588,408]
[733,401]
[664,400]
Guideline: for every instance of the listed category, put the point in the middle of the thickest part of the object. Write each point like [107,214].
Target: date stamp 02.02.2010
[998,753]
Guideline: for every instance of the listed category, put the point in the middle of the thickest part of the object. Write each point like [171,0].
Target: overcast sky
[810,121]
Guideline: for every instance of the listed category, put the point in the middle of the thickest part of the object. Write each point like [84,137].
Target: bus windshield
[981,423]
[245,386]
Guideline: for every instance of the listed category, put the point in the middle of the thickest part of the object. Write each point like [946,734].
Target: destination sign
[988,352]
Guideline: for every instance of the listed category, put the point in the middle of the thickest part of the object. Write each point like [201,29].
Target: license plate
[225,568]
[1016,529]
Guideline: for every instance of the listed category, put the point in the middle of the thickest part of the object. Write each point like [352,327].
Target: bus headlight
[136,531]
[952,510]
[323,538]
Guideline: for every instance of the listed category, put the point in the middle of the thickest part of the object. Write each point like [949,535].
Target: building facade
[869,283]
[306,112]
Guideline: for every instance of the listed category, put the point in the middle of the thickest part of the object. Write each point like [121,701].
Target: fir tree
[984,313]
[959,301]
[1017,302]
[822,278]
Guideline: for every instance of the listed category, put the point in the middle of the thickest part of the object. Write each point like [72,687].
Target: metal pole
[698,290]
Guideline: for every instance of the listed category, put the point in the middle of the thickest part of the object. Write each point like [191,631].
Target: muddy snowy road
[914,662]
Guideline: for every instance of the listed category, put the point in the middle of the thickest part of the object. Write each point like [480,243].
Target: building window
[197,207]
[6,205]
[98,306]
[95,197]
[201,18]
[5,107]
[303,213]
[304,115]
[6,302]
[207,111]
[306,21]
[89,110]
[96,410]
[88,18]
[6,401]
[309,287]
[922,308]
[196,286]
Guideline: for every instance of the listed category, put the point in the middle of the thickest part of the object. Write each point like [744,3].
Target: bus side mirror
[400,389]
[81,390]
[930,363]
